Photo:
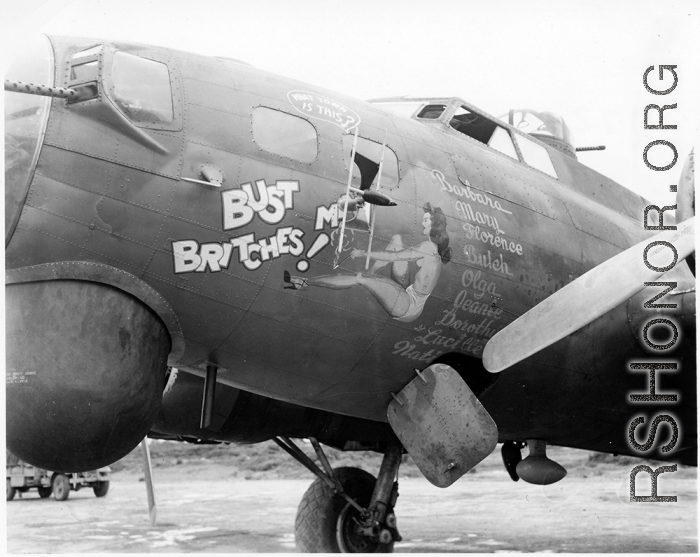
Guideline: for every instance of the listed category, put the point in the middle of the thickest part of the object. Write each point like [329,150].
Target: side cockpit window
[431,111]
[536,155]
[502,142]
[142,89]
[484,130]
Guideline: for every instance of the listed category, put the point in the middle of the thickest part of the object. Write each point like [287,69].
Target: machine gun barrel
[31,89]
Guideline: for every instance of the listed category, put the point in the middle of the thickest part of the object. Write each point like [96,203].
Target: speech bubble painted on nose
[319,243]
[319,107]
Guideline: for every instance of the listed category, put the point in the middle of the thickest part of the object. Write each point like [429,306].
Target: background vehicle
[22,477]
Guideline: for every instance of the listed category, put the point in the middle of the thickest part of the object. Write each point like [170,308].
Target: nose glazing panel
[25,122]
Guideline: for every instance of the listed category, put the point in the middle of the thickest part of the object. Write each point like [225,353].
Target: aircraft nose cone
[17,166]
[25,122]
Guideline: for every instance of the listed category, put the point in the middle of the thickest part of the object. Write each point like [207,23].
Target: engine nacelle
[85,373]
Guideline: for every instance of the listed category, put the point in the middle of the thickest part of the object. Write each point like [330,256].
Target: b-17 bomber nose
[86,356]
[25,122]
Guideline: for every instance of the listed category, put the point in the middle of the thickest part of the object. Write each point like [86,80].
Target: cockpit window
[283,134]
[501,141]
[431,111]
[472,124]
[142,89]
[483,130]
[536,155]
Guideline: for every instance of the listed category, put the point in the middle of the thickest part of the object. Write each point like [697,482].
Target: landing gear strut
[345,510]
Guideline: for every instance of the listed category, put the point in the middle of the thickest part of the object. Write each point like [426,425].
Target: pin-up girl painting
[401,300]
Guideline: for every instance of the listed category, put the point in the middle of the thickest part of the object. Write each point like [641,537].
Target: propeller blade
[588,297]
[685,197]
[148,473]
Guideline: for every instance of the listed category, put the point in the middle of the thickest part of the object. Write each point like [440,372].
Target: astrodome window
[283,134]
[142,89]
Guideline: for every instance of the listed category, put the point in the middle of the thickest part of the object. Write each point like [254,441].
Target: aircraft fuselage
[119,196]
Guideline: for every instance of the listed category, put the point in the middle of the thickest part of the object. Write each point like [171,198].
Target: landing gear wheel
[61,487]
[44,492]
[351,541]
[325,521]
[10,492]
[101,489]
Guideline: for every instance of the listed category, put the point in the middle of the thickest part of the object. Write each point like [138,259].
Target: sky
[583,60]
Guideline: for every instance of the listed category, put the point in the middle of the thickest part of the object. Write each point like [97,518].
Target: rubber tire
[10,492]
[45,492]
[316,525]
[101,489]
[61,487]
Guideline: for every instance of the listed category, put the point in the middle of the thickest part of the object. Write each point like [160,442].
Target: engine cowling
[85,373]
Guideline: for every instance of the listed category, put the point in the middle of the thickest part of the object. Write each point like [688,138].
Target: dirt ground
[212,509]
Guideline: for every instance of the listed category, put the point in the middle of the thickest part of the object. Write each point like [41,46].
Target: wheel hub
[356,532]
